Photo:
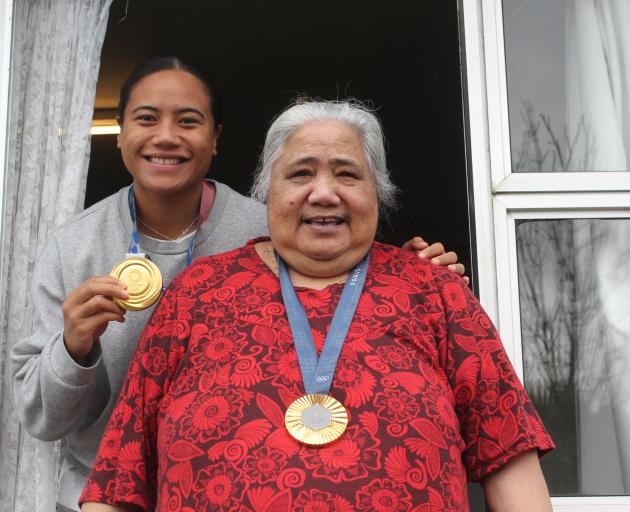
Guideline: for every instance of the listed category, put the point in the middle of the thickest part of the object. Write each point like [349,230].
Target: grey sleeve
[51,391]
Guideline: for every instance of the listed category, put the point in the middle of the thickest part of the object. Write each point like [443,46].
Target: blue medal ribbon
[317,373]
[134,246]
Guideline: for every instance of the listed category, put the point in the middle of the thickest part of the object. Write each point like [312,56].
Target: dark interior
[402,56]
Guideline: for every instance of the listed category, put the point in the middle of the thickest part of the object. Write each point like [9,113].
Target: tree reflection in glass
[568,69]
[574,287]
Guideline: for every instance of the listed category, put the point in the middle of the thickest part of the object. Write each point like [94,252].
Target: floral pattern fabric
[431,396]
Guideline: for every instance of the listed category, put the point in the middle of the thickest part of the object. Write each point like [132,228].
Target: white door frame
[6,26]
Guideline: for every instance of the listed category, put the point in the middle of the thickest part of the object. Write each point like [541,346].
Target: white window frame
[510,208]
[6,26]
[502,197]
[603,504]
[503,179]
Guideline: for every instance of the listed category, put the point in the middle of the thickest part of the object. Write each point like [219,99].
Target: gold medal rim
[146,299]
[327,435]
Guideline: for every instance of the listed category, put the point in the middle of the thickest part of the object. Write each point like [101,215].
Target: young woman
[67,375]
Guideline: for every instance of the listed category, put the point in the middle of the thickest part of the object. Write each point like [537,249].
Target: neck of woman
[167,216]
[317,280]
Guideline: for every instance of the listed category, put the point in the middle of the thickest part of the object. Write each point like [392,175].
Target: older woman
[320,369]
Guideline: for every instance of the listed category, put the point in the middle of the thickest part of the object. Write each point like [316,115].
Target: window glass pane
[574,288]
[568,77]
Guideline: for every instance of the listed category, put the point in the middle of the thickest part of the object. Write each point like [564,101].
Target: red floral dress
[431,396]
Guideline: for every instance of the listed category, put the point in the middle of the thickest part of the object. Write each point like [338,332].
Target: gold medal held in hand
[143,280]
[316,419]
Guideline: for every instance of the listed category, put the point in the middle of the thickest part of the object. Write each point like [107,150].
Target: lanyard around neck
[205,206]
[317,373]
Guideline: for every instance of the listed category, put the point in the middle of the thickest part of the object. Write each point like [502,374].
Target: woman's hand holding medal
[88,310]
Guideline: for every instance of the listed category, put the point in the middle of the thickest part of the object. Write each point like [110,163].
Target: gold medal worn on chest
[316,419]
[143,280]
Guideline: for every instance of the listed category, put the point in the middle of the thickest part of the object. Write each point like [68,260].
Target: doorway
[404,57]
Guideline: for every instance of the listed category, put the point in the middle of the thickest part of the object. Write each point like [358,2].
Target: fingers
[415,244]
[458,268]
[446,258]
[107,286]
[96,323]
[437,254]
[95,305]
[449,260]
[94,326]
[434,250]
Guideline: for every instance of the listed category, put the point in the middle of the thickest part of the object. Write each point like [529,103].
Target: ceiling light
[104,122]
[104,127]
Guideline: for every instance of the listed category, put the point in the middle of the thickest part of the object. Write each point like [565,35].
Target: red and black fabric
[432,398]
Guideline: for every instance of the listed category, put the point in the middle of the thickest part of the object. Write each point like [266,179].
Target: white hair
[354,114]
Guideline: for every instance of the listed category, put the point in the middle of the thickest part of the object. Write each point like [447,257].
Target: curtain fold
[55,62]
[597,77]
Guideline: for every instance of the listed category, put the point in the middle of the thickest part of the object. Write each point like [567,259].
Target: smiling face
[168,137]
[322,207]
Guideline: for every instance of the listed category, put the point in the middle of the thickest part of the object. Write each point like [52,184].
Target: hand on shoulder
[436,253]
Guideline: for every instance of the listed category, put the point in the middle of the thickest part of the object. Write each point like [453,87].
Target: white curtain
[598,80]
[55,62]
[598,92]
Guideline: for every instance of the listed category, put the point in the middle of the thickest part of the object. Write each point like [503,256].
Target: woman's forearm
[519,486]
[102,507]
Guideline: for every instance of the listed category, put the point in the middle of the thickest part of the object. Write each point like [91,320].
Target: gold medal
[316,419]
[143,280]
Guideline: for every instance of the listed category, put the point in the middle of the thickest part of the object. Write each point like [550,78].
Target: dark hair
[165,64]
